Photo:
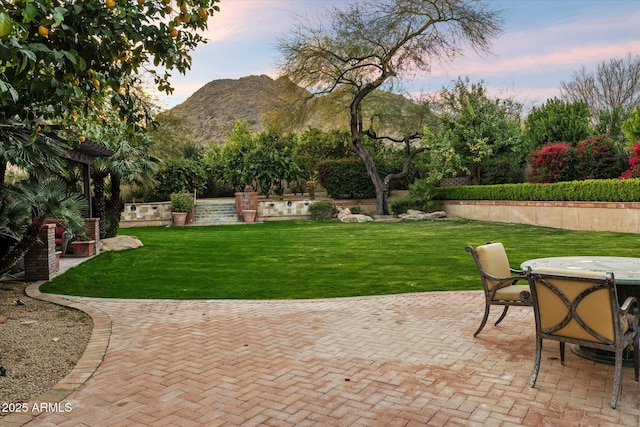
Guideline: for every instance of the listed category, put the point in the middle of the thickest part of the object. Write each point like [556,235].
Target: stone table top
[626,270]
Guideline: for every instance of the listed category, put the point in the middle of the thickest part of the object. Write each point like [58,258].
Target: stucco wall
[590,216]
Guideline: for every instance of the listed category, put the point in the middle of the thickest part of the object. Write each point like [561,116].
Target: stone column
[93,232]
[40,261]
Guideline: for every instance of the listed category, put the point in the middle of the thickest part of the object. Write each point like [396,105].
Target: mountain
[204,116]
[216,105]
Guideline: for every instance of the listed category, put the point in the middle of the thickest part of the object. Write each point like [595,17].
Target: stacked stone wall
[40,261]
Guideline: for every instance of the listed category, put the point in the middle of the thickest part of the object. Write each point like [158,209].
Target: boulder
[120,243]
[345,215]
[414,215]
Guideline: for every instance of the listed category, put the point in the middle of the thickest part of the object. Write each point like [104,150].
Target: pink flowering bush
[600,157]
[553,162]
[634,164]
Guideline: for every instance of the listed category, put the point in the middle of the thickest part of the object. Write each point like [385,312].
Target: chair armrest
[525,298]
[630,311]
[505,281]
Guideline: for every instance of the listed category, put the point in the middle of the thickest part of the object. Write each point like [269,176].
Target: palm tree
[27,205]
[33,149]
[132,163]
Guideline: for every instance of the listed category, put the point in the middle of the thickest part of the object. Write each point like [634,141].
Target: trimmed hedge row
[601,190]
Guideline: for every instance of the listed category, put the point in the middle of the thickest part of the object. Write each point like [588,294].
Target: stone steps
[212,213]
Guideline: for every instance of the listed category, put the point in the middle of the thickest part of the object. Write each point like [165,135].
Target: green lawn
[316,259]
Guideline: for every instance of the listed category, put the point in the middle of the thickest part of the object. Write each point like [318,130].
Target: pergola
[85,154]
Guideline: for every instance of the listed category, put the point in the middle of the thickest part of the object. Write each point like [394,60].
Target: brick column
[93,232]
[40,261]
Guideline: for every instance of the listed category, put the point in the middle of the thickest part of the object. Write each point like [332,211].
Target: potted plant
[83,246]
[311,185]
[181,204]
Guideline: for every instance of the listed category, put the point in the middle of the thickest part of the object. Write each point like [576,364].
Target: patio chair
[62,235]
[498,280]
[582,308]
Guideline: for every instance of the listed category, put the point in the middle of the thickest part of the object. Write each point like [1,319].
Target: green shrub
[348,178]
[595,190]
[179,174]
[321,210]
[420,197]
[401,205]
[181,201]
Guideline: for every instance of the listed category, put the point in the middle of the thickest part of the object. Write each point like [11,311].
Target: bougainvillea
[634,164]
[600,157]
[553,162]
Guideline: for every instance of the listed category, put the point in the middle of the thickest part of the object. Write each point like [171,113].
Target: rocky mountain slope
[205,115]
[219,103]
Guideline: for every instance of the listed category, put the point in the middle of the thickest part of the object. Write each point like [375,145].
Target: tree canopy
[67,63]
[371,44]
[612,86]
[62,58]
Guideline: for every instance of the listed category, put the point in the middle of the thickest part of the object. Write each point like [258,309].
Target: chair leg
[504,313]
[536,363]
[617,379]
[562,353]
[484,319]
[636,356]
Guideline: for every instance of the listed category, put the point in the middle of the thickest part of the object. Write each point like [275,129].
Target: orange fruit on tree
[96,83]
[173,33]
[168,9]
[73,113]
[140,2]
[43,31]
[110,4]
[81,139]
[202,12]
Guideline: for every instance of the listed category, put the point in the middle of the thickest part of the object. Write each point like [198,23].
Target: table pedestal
[603,356]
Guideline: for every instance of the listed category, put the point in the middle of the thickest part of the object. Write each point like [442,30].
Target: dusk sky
[544,43]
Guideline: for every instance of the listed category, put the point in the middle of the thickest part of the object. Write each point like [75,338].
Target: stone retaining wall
[589,216]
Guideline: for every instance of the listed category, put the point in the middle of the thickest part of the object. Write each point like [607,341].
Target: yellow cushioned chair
[582,308]
[498,280]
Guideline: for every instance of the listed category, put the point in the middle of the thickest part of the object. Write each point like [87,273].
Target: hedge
[348,178]
[600,190]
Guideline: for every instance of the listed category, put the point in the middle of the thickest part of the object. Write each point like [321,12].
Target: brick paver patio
[398,360]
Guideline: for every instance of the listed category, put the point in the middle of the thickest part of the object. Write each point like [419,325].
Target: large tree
[613,86]
[65,59]
[368,46]
[556,121]
[484,131]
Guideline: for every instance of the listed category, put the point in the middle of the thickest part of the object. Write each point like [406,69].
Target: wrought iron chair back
[582,308]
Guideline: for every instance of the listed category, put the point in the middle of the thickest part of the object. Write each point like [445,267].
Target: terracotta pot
[179,218]
[249,215]
[311,189]
[247,200]
[83,249]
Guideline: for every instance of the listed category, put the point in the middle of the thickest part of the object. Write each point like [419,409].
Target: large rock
[345,215]
[120,243]
[414,215]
